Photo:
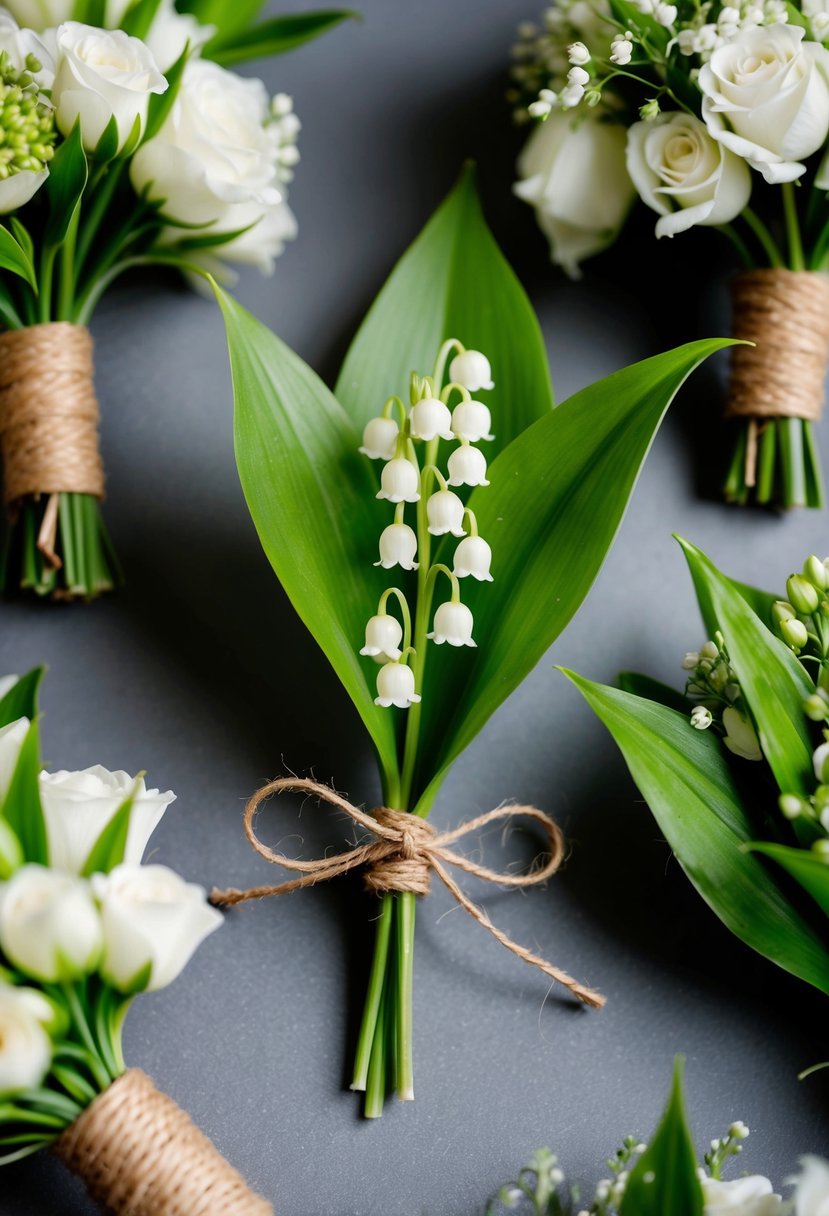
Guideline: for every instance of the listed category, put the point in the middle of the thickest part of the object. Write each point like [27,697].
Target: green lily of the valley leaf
[556,499]
[21,699]
[654,690]
[689,788]
[64,186]
[810,871]
[453,282]
[760,602]
[774,682]
[312,499]
[274,37]
[21,807]
[664,1180]
[16,259]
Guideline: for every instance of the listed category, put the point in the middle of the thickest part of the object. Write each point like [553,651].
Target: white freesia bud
[25,1047]
[383,636]
[431,418]
[578,76]
[399,481]
[473,556]
[766,97]
[444,511]
[467,467]
[380,439]
[578,53]
[153,923]
[701,718]
[398,546]
[78,806]
[11,741]
[471,420]
[396,686]
[453,624]
[812,1189]
[102,74]
[49,925]
[472,370]
[740,738]
[752,1196]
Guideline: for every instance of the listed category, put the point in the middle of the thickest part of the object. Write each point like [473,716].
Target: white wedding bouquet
[120,147]
[717,115]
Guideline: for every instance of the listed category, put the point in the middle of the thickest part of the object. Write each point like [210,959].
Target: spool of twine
[49,412]
[786,314]
[139,1154]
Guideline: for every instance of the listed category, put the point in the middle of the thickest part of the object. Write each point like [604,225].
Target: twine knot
[401,856]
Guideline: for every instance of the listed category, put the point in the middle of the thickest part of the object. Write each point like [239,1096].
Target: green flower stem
[443,356]
[404,1061]
[47,267]
[404,612]
[80,1021]
[764,237]
[796,259]
[374,997]
[376,1081]
[66,286]
[743,252]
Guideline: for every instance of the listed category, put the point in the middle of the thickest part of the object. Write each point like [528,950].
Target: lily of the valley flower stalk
[427,608]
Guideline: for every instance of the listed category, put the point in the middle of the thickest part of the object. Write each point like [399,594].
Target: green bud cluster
[800,619]
[27,122]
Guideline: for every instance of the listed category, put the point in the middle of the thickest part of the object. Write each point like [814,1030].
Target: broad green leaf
[654,690]
[312,499]
[760,602]
[773,681]
[241,41]
[109,849]
[664,1179]
[453,282]
[690,790]
[65,185]
[557,496]
[21,699]
[16,259]
[23,237]
[21,808]
[811,872]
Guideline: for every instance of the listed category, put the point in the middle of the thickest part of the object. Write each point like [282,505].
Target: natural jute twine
[140,1155]
[404,852]
[49,418]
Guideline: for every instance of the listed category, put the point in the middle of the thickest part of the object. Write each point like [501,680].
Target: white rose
[811,1197]
[766,97]
[260,246]
[684,174]
[752,1196]
[101,74]
[25,1046]
[171,31]
[153,923]
[11,741]
[574,175]
[78,806]
[49,925]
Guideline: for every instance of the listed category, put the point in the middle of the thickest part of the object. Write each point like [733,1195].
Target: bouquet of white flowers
[714,114]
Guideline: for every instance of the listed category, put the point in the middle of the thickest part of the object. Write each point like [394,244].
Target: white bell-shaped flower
[383,636]
[473,556]
[430,418]
[740,736]
[399,481]
[453,624]
[396,686]
[380,439]
[398,546]
[467,467]
[444,511]
[472,420]
[472,370]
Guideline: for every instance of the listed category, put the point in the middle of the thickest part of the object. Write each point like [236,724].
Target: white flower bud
[539,109]
[430,418]
[471,369]
[473,556]
[666,14]
[383,636]
[821,763]
[398,546]
[467,467]
[691,660]
[472,420]
[621,52]
[396,686]
[380,439]
[578,53]
[453,624]
[578,76]
[25,1047]
[740,737]
[444,511]
[399,481]
[791,806]
[738,1130]
[572,95]
[49,925]
[794,634]
[701,718]
[709,650]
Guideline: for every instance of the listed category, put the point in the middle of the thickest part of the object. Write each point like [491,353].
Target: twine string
[139,1154]
[404,851]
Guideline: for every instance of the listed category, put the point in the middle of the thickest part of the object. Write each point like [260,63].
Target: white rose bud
[472,370]
[471,420]
[685,175]
[102,74]
[398,546]
[396,686]
[383,636]
[78,806]
[431,418]
[25,1046]
[153,923]
[752,1196]
[380,439]
[473,556]
[49,925]
[453,624]
[444,512]
[467,467]
[399,481]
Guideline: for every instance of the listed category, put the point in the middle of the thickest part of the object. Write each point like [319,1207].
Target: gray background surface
[199,673]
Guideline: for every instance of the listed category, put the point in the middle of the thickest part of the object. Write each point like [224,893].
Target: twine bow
[401,857]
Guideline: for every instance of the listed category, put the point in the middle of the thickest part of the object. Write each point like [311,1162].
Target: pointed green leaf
[241,41]
[15,258]
[654,690]
[664,1179]
[760,602]
[810,871]
[453,282]
[139,17]
[106,148]
[23,237]
[774,683]
[65,185]
[21,808]
[312,499]
[109,849]
[689,788]
[21,699]
[162,103]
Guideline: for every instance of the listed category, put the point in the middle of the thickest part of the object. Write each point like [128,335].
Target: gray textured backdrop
[199,673]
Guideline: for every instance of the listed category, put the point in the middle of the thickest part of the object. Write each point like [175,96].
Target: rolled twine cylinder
[786,314]
[139,1154]
[49,412]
